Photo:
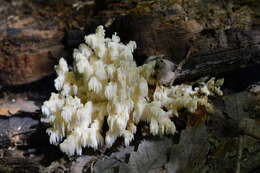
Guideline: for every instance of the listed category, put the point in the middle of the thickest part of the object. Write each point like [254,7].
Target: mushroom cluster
[106,86]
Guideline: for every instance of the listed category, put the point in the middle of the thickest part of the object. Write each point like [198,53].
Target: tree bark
[220,43]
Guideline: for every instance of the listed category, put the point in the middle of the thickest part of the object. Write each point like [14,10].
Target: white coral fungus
[106,84]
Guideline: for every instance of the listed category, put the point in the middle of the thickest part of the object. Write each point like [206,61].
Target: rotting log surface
[224,36]
[29,46]
[31,38]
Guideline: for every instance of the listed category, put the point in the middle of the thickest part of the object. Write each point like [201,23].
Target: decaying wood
[29,47]
[32,38]
[218,47]
[225,36]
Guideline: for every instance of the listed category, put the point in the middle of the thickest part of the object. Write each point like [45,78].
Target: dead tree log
[29,46]
[31,38]
[224,36]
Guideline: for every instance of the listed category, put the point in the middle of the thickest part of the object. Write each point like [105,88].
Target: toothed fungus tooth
[94,85]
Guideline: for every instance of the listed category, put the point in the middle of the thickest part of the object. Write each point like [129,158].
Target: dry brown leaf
[15,105]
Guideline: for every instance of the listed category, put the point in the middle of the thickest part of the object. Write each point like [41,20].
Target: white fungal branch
[106,82]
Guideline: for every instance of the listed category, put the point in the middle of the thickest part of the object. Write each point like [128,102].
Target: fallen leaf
[191,152]
[17,104]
